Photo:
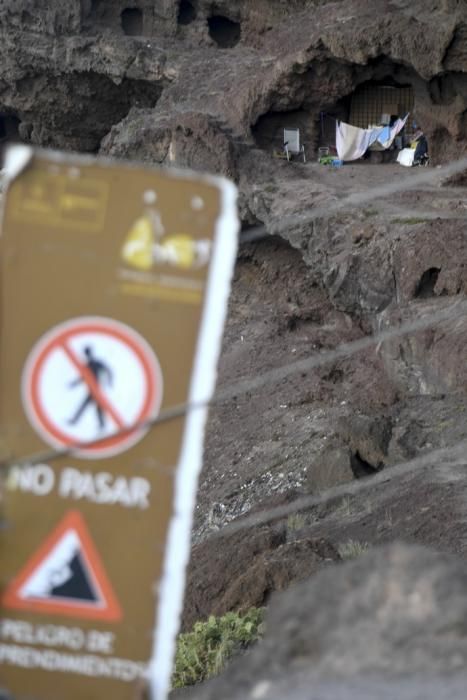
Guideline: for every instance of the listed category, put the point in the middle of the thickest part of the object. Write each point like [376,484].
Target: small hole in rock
[9,132]
[426,286]
[361,468]
[224,31]
[186,13]
[132,21]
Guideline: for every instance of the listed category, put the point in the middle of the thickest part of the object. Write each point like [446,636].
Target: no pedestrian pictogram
[92,380]
[65,576]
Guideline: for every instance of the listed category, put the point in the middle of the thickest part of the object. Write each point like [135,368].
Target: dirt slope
[211,86]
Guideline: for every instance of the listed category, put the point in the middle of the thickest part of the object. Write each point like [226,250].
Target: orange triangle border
[110,613]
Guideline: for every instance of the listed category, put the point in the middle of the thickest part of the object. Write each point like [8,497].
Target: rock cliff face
[210,84]
[183,71]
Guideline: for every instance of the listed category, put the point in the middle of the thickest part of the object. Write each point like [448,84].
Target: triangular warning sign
[65,577]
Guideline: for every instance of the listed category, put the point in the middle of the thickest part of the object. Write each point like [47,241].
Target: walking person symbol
[91,384]
[101,373]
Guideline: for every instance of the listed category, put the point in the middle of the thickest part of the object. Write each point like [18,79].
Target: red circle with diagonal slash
[126,435]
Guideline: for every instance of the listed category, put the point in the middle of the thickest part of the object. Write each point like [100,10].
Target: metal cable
[342,351]
[456,452]
[251,384]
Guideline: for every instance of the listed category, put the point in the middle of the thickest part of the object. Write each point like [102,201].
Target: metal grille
[371,102]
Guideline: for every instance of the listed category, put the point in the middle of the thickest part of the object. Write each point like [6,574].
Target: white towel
[352,142]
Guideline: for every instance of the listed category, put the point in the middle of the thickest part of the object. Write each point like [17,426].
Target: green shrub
[204,652]
[352,549]
[296,521]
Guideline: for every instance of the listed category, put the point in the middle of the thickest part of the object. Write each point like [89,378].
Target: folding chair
[292,145]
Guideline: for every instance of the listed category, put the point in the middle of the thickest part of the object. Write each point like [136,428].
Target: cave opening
[132,21]
[2,129]
[99,104]
[371,95]
[426,286]
[186,13]
[376,94]
[268,131]
[361,468]
[373,103]
[9,132]
[225,32]
[9,127]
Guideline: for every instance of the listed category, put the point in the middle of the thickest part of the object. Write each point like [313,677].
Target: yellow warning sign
[101,335]
[65,576]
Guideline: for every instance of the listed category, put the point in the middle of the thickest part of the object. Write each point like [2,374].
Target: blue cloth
[385,135]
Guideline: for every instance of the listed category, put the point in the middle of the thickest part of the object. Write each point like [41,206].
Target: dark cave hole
[268,131]
[9,132]
[224,31]
[186,13]
[9,128]
[361,468]
[132,21]
[426,286]
[99,104]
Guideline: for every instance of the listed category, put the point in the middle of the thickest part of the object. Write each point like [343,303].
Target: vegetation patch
[352,549]
[367,213]
[344,509]
[204,652]
[296,521]
[410,222]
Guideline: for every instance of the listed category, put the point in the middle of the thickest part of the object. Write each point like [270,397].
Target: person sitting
[421,148]
[417,152]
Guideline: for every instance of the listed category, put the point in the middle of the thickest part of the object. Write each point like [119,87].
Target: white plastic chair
[292,145]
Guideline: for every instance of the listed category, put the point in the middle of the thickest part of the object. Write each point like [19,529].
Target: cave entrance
[9,132]
[426,286]
[372,104]
[268,131]
[186,13]
[132,21]
[9,128]
[225,32]
[375,103]
[375,94]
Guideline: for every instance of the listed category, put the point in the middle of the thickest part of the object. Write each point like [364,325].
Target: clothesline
[352,142]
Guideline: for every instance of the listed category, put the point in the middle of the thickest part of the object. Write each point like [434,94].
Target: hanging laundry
[386,138]
[385,135]
[352,142]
